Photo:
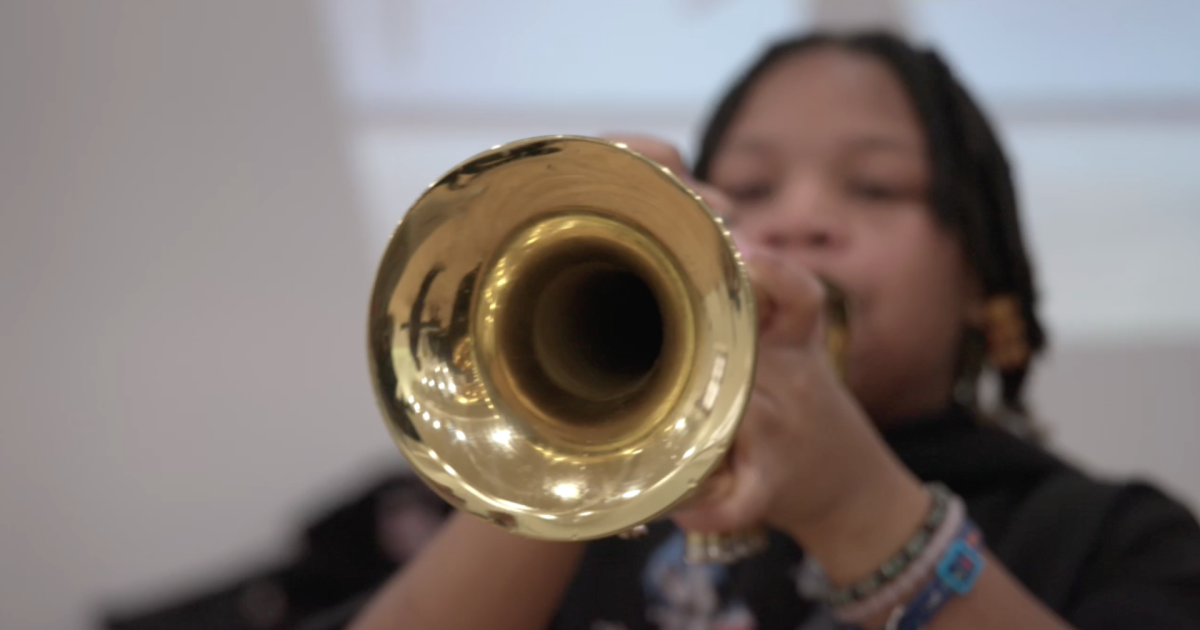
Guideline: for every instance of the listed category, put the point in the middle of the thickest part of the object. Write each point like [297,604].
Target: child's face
[826,163]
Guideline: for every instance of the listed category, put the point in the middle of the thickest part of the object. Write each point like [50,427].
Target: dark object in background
[348,552]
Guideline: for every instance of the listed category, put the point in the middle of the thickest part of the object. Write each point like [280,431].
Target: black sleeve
[606,592]
[1145,574]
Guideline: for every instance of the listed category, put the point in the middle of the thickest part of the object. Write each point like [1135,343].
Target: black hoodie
[1102,555]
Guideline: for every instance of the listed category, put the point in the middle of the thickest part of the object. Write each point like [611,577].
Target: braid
[985,200]
[972,190]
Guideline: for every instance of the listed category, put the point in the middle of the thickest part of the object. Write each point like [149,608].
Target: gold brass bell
[563,340]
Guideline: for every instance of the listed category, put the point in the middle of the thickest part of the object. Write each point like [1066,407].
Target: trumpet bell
[562,338]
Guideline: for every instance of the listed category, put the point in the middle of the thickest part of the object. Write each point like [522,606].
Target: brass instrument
[563,341]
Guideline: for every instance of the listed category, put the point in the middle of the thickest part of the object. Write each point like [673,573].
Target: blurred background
[193,196]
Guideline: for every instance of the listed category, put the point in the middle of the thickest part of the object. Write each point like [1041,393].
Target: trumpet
[562,341]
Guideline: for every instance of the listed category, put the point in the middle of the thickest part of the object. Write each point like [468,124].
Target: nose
[801,218]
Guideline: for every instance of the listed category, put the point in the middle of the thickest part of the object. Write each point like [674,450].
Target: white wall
[183,287]
[184,260]
[522,55]
[1127,409]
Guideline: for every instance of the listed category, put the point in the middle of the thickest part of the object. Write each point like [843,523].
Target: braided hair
[971,194]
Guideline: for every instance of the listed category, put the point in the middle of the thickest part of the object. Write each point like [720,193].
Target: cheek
[922,279]
[913,285]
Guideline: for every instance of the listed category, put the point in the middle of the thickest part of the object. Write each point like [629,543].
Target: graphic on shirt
[681,596]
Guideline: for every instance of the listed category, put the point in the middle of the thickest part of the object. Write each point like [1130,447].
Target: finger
[667,155]
[790,298]
[658,150]
[740,502]
[720,204]
[764,306]
[717,486]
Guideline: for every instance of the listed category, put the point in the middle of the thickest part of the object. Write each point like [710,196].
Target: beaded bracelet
[956,574]
[918,571]
[895,566]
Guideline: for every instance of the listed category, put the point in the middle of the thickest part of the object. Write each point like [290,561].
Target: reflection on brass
[724,548]
[563,341]
[638,531]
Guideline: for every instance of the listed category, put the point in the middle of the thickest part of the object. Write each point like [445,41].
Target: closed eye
[875,191]
[750,193]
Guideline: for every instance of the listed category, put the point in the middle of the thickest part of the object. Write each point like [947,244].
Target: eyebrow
[865,143]
[886,143]
[749,145]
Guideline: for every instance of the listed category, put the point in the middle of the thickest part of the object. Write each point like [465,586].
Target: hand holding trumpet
[807,460]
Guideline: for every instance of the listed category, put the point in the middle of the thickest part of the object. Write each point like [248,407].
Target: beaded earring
[1007,342]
